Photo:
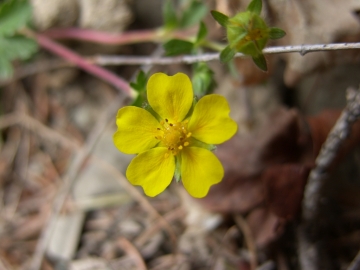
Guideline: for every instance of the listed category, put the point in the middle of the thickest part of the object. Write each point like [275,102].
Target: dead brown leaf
[281,139]
[284,188]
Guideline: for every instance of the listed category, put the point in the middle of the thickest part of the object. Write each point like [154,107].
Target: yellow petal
[200,169]
[153,170]
[137,129]
[170,96]
[210,121]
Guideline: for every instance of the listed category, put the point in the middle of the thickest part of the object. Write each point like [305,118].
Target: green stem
[213,45]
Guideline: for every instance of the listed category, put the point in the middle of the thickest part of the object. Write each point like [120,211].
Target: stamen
[173,135]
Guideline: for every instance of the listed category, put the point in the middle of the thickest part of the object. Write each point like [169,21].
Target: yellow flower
[173,139]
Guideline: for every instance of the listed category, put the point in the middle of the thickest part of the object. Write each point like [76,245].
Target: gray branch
[309,250]
[190,59]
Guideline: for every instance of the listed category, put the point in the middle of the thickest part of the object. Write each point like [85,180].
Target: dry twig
[250,243]
[309,252]
[131,251]
[190,59]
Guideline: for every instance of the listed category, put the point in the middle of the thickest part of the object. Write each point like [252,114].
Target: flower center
[174,136]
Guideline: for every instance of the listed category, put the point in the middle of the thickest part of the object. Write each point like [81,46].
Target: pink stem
[129,37]
[101,37]
[69,55]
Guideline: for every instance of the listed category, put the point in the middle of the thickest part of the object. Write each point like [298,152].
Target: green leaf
[17,47]
[169,13]
[260,61]
[140,87]
[255,6]
[14,15]
[201,33]
[203,79]
[177,47]
[227,54]
[275,33]
[140,100]
[222,19]
[194,14]
[6,69]
[140,82]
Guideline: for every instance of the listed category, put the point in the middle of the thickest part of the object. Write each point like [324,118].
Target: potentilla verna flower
[173,139]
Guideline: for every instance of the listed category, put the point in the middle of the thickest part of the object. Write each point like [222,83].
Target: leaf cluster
[247,33]
[14,15]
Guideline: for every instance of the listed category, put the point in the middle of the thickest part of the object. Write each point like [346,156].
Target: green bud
[247,33]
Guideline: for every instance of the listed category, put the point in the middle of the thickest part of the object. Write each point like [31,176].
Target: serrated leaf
[193,15]
[14,15]
[177,47]
[201,33]
[260,61]
[17,47]
[169,13]
[222,19]
[255,6]
[6,69]
[227,54]
[275,33]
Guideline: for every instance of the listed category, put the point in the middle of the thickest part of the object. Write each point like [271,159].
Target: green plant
[14,15]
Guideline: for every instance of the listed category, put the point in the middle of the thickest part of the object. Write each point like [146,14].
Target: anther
[186,143]
[180,147]
[188,135]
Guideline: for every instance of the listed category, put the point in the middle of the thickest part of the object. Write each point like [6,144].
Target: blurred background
[66,204]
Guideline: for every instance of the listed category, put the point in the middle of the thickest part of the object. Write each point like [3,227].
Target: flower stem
[78,60]
[130,37]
